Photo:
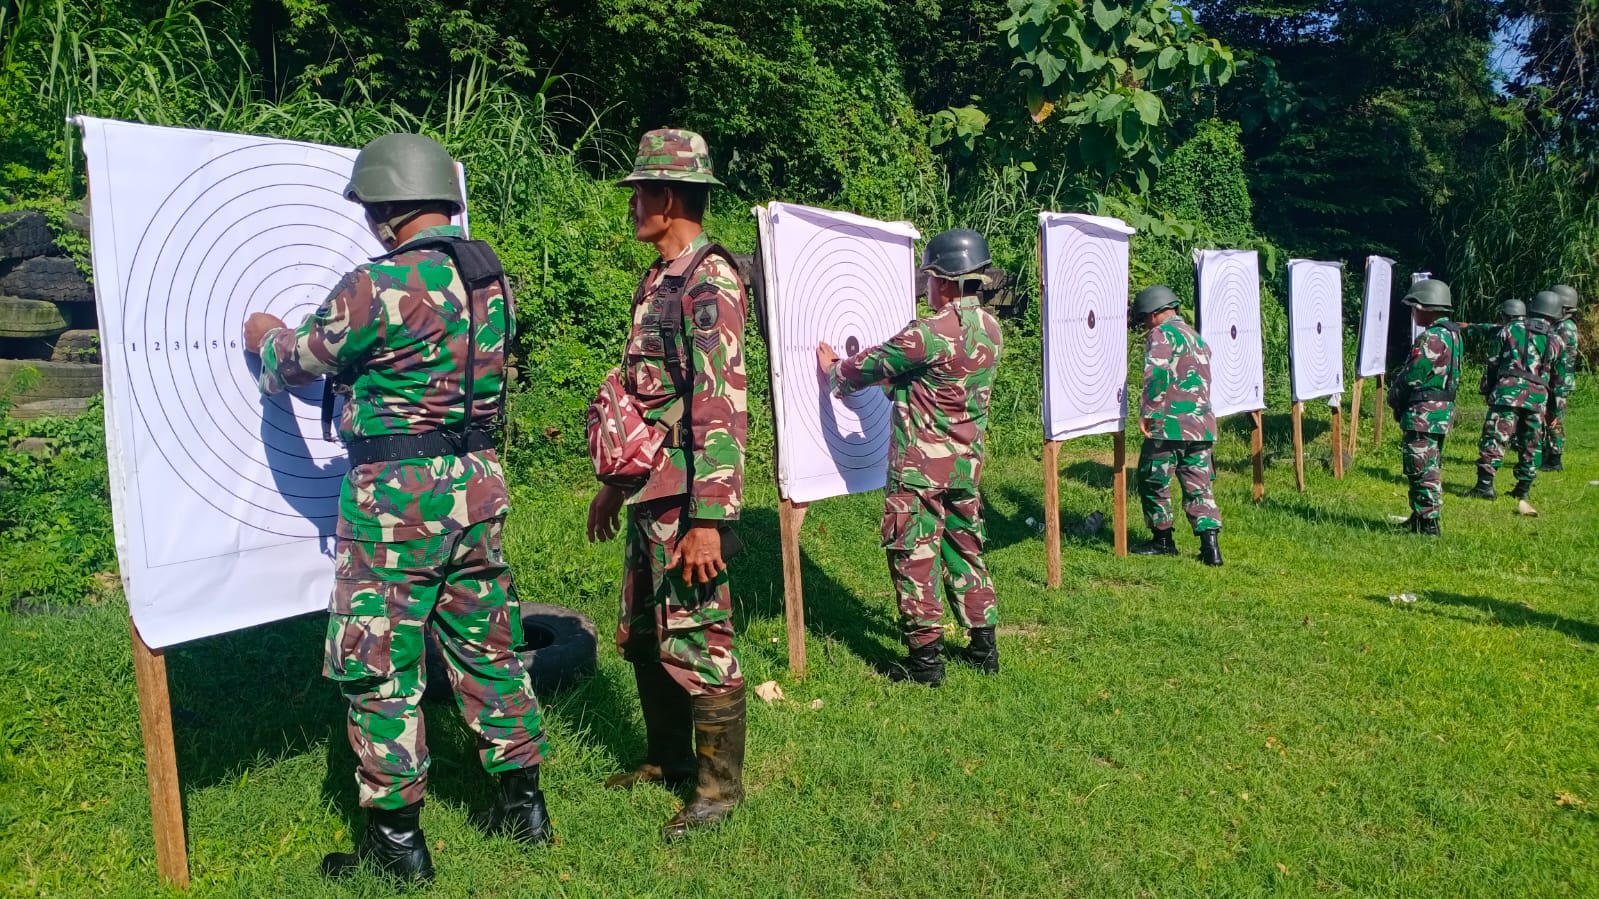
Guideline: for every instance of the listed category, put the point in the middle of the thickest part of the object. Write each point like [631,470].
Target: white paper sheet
[848,281]
[224,501]
[1085,274]
[1229,321]
[1373,355]
[1315,328]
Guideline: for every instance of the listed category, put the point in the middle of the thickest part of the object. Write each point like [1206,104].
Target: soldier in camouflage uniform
[1179,427]
[1528,359]
[1554,445]
[417,341]
[685,370]
[1509,311]
[1423,400]
[940,373]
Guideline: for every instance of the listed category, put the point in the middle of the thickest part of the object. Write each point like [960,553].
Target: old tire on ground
[25,234]
[30,318]
[561,648]
[80,345]
[53,278]
[57,380]
[63,408]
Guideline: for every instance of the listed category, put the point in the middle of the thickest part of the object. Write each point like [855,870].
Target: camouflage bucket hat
[672,154]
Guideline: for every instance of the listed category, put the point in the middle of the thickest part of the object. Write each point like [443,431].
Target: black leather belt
[394,447]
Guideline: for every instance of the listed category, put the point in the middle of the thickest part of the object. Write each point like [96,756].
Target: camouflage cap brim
[686,177]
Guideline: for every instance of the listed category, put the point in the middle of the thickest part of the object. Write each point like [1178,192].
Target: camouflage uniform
[1555,420]
[688,629]
[1179,428]
[1423,397]
[940,372]
[418,541]
[1526,361]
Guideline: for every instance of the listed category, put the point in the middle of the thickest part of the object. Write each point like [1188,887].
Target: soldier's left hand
[699,552]
[256,328]
[825,357]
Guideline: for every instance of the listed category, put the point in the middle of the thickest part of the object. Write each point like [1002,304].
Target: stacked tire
[47,320]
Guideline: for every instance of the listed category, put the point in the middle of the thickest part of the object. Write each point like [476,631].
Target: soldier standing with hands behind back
[1423,400]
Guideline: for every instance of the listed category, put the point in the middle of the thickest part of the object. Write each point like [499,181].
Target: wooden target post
[1337,407]
[1354,418]
[1299,446]
[1257,452]
[1377,414]
[790,519]
[1052,504]
[160,761]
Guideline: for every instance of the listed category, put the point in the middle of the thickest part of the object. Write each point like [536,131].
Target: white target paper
[1085,268]
[848,281]
[223,500]
[1373,356]
[1315,328]
[1228,307]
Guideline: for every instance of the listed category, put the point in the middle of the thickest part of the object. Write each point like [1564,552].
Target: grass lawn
[1274,726]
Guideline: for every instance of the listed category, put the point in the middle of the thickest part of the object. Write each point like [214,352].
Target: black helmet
[1430,294]
[1513,309]
[954,253]
[1545,304]
[1569,297]
[1153,299]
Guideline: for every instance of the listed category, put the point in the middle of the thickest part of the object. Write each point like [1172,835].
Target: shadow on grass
[1296,504]
[1512,614]
[1003,532]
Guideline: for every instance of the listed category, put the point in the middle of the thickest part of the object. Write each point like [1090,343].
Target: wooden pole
[1377,412]
[1257,450]
[1338,441]
[1119,482]
[790,518]
[160,762]
[1052,511]
[1299,446]
[1354,418]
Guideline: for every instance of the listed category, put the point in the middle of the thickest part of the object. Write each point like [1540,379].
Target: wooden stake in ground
[1257,452]
[790,518]
[160,761]
[1338,439]
[1119,489]
[1354,418]
[1299,446]
[1052,512]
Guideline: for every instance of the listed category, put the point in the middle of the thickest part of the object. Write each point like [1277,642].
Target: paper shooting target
[1085,266]
[847,281]
[1228,312]
[1315,328]
[1373,355]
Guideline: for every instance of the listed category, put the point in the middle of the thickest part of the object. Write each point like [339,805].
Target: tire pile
[47,319]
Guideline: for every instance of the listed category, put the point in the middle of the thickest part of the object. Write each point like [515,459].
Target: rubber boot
[1426,527]
[922,665]
[719,748]
[668,732]
[1160,543]
[982,652]
[519,813]
[1484,488]
[392,844]
[1551,462]
[1522,489]
[1209,552]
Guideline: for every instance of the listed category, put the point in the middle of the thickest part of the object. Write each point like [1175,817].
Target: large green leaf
[1106,16]
[1149,107]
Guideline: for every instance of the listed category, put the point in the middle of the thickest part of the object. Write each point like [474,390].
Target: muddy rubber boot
[982,652]
[1522,489]
[1551,462]
[1427,527]
[392,844]
[1161,543]
[923,665]
[668,732]
[519,812]
[1484,489]
[719,727]
[1209,552]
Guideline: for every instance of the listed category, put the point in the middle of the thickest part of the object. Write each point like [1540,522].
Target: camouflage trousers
[689,630]
[1522,430]
[1190,461]
[1423,457]
[384,596]
[1554,427]
[929,531]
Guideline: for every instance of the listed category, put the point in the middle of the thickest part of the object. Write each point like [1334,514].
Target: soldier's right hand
[605,514]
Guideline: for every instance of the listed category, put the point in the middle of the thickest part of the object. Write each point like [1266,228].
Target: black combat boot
[922,665]
[1209,552]
[1522,489]
[982,652]
[668,732]
[719,748]
[1551,462]
[392,844]
[519,813]
[1160,543]
[1484,488]
[1426,527]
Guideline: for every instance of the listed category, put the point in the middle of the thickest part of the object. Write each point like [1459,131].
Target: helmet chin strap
[387,230]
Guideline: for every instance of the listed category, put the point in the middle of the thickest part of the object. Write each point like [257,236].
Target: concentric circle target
[1229,304]
[1087,323]
[245,232]
[1317,307]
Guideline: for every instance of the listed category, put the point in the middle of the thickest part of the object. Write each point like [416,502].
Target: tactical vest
[1451,380]
[665,316]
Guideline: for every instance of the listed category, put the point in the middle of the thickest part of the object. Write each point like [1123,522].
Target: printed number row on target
[175,345]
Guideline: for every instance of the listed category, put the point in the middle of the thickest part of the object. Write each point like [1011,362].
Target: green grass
[1274,726]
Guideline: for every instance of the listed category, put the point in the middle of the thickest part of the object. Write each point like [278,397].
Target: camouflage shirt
[712,333]
[395,333]
[1567,328]
[1430,374]
[1526,362]
[1176,403]
[940,373]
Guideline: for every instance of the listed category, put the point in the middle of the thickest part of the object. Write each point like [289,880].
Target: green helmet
[1153,299]
[1545,304]
[1513,309]
[405,168]
[1569,297]
[672,154]
[956,252]
[1430,294]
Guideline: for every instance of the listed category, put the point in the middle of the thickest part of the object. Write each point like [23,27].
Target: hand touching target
[1373,356]
[1228,310]
[1085,266]
[1315,328]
